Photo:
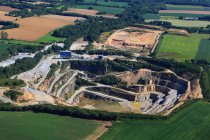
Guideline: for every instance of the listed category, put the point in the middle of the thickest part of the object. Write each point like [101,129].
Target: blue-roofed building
[100,57]
[65,54]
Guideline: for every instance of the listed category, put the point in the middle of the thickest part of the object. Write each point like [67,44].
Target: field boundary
[91,114]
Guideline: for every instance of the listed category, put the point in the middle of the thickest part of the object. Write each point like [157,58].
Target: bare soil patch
[33,28]
[7,9]
[131,38]
[178,32]
[88,12]
[185,12]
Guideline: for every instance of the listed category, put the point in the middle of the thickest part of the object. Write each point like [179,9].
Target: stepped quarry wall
[161,82]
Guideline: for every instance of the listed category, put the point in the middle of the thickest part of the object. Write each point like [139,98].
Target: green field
[48,38]
[40,126]
[89,1]
[19,42]
[204,51]
[151,16]
[180,47]
[107,3]
[182,15]
[59,7]
[108,10]
[184,7]
[190,124]
[184,23]
[112,3]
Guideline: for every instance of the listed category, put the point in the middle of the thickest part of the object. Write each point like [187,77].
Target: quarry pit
[135,39]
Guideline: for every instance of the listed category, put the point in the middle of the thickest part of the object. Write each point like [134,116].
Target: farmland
[49,38]
[185,12]
[109,3]
[191,123]
[151,16]
[7,9]
[184,23]
[204,50]
[33,28]
[182,14]
[88,12]
[107,10]
[82,11]
[112,3]
[34,126]
[180,47]
[19,42]
[185,7]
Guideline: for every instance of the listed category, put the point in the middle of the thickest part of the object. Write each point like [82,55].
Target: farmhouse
[190,18]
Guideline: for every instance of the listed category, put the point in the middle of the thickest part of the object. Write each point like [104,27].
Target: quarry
[146,92]
[73,79]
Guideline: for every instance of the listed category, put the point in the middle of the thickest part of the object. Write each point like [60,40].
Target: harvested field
[57,17]
[82,11]
[6,18]
[33,28]
[38,3]
[88,12]
[178,32]
[133,38]
[186,12]
[7,9]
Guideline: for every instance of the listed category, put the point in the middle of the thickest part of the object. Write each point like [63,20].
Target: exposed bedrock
[69,88]
[163,81]
[46,84]
[61,81]
[114,92]
[99,96]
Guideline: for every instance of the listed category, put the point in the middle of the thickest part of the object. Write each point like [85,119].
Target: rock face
[115,92]
[26,97]
[59,85]
[69,88]
[46,84]
[161,82]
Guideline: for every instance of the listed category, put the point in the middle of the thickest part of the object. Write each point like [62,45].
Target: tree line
[15,49]
[90,114]
[101,67]
[8,25]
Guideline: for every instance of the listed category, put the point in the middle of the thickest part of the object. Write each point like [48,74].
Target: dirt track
[99,131]
[185,12]
[33,28]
